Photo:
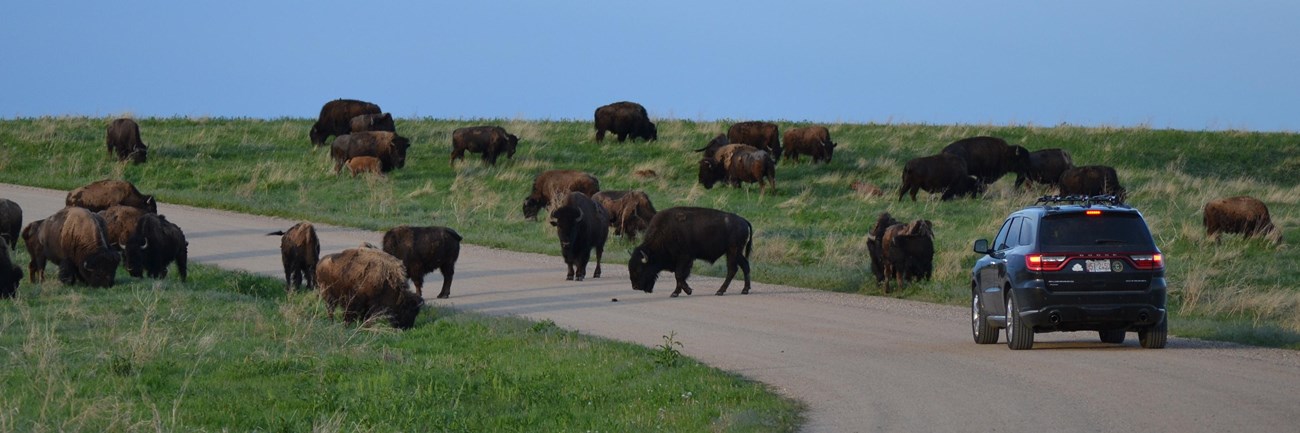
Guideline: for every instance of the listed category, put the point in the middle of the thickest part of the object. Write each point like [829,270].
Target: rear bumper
[1078,311]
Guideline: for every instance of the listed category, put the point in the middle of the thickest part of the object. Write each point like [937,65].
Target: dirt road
[860,363]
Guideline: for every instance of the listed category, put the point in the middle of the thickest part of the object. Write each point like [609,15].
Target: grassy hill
[811,232]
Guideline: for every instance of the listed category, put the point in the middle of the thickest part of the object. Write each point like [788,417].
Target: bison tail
[749,245]
[276,233]
[455,235]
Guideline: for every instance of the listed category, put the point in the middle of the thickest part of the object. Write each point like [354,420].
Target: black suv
[1070,264]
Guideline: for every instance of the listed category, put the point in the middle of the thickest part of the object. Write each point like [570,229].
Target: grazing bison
[624,119]
[336,118]
[423,250]
[989,158]
[299,252]
[372,122]
[907,251]
[103,194]
[1245,215]
[156,244]
[491,141]
[556,184]
[1046,167]
[629,211]
[736,163]
[123,140]
[76,240]
[365,164]
[581,225]
[388,147]
[711,150]
[10,274]
[943,173]
[11,222]
[814,141]
[367,282]
[874,250]
[121,223]
[1092,180]
[32,240]
[678,236]
[763,135]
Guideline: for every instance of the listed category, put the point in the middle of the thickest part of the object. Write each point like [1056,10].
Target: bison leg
[36,269]
[734,262]
[419,284]
[600,252]
[581,264]
[457,153]
[569,277]
[67,272]
[600,135]
[622,136]
[682,272]
[447,271]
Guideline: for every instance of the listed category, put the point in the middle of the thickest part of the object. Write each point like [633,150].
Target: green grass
[811,232]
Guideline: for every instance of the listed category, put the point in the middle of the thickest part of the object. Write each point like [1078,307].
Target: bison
[943,173]
[1046,167]
[554,184]
[678,236]
[907,251]
[121,222]
[336,118]
[629,211]
[581,225]
[11,222]
[1092,180]
[711,150]
[372,122]
[989,158]
[625,119]
[102,194]
[423,250]
[366,283]
[491,141]
[76,240]
[156,244]
[763,135]
[736,163]
[874,250]
[123,140]
[1242,214]
[299,252]
[10,274]
[388,147]
[364,164]
[31,239]
[814,141]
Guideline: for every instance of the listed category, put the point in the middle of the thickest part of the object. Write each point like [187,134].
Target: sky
[1184,64]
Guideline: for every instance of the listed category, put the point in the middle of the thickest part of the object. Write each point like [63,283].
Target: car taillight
[1148,261]
[1039,262]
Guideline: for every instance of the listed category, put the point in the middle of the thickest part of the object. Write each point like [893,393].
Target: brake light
[1148,261]
[1093,212]
[1039,262]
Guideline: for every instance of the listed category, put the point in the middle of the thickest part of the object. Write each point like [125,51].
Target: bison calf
[1242,214]
[299,252]
[366,283]
[364,164]
[679,236]
[423,250]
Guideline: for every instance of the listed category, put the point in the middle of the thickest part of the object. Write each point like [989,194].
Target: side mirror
[982,246]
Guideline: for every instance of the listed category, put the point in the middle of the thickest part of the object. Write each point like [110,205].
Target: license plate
[1098,265]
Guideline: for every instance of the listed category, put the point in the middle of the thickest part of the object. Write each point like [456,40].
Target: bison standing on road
[1092,180]
[814,141]
[299,252]
[679,236]
[1242,214]
[372,122]
[763,135]
[156,244]
[11,222]
[367,282]
[629,211]
[336,118]
[388,147]
[1046,167]
[423,250]
[76,240]
[555,184]
[625,119]
[123,140]
[10,274]
[943,173]
[581,225]
[491,141]
[103,194]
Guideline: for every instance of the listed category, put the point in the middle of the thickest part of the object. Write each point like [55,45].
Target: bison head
[829,148]
[567,221]
[139,155]
[10,276]
[99,269]
[649,131]
[965,186]
[513,143]
[642,270]
[710,172]
[532,206]
[400,144]
[317,136]
[150,204]
[404,313]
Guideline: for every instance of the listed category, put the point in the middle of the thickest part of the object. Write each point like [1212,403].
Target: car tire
[1112,336]
[1019,335]
[980,328]
[1156,336]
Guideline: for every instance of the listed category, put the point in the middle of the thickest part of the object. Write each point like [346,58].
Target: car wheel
[980,328]
[1155,336]
[1019,335]
[1113,336]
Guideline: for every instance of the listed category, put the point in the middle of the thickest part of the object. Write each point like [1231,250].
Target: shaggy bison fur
[299,252]
[423,250]
[156,244]
[365,164]
[366,283]
[121,222]
[1242,214]
[901,252]
[76,240]
[629,211]
[103,194]
[556,184]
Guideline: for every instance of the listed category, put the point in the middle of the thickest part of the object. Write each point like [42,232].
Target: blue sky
[1167,64]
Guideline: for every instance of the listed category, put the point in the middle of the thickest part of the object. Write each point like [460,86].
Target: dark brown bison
[814,141]
[123,140]
[581,225]
[737,163]
[423,250]
[388,147]
[711,150]
[1242,214]
[902,252]
[763,135]
[989,158]
[1046,167]
[365,164]
[76,240]
[121,223]
[366,283]
[491,141]
[10,274]
[943,173]
[629,211]
[156,244]
[678,236]
[372,122]
[624,119]
[103,194]
[31,239]
[556,184]
[11,222]
[1092,180]
[336,118]
[874,250]
[299,252]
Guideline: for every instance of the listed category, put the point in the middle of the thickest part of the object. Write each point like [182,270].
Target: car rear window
[1109,230]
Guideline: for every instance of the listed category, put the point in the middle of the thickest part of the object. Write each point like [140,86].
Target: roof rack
[1084,200]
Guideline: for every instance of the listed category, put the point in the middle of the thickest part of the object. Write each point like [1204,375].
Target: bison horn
[645,258]
[145,245]
[579,216]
